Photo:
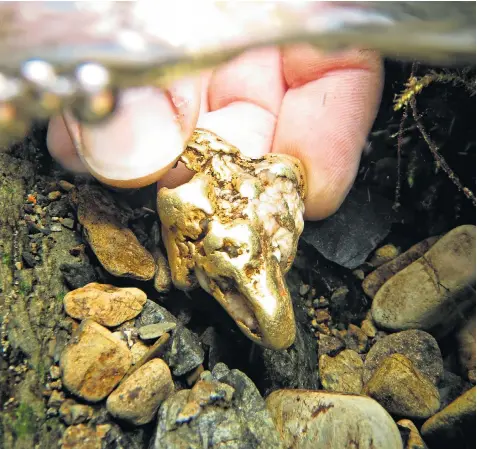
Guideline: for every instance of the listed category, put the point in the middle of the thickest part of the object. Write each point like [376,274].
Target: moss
[6,259]
[24,423]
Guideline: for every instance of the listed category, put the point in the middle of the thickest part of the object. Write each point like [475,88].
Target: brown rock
[84,437]
[65,185]
[343,373]
[374,281]
[368,327]
[94,362]
[453,426]
[309,419]
[403,390]
[106,304]
[137,399]
[106,230]
[329,345]
[73,413]
[138,350]
[384,254]
[356,339]
[411,437]
[162,278]
[55,195]
[434,291]
[418,346]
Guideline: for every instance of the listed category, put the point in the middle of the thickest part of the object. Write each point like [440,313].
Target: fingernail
[138,145]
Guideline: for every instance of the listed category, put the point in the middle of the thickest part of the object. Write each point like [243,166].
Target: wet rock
[374,281]
[68,223]
[466,346]
[356,339]
[343,373]
[65,185]
[451,387]
[184,352]
[453,426]
[410,435]
[369,329]
[434,291]
[403,390]
[162,278]
[223,410]
[83,437]
[138,398]
[384,254]
[94,362]
[138,350]
[55,195]
[308,420]
[73,413]
[153,331]
[59,208]
[418,346]
[105,227]
[106,304]
[78,275]
[329,345]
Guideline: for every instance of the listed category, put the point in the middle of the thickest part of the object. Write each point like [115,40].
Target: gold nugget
[233,229]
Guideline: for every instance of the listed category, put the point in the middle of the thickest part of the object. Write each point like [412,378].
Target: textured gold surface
[233,229]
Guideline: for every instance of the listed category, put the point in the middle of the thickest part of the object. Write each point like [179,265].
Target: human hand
[296,100]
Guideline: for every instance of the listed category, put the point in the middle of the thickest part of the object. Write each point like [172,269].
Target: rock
[84,437]
[55,195]
[418,346]
[138,350]
[402,389]
[78,275]
[309,419]
[466,345]
[94,362]
[453,426]
[106,304]
[74,413]
[138,398]
[65,185]
[153,331]
[162,278]
[356,339]
[329,345]
[343,373]
[223,410]
[369,329]
[105,227]
[410,435]
[374,281]
[184,352]
[434,291]
[68,223]
[384,254]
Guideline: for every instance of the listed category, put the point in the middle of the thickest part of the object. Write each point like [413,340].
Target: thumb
[139,144]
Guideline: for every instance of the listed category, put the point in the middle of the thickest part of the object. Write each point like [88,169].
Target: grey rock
[184,352]
[418,346]
[451,387]
[223,410]
[152,331]
[78,275]
[329,345]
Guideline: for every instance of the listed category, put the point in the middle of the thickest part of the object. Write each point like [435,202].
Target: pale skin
[295,100]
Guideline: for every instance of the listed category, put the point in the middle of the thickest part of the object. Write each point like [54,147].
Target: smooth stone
[343,373]
[453,426]
[384,254]
[106,304]
[418,346]
[82,436]
[433,292]
[403,390]
[411,437]
[138,398]
[368,327]
[138,351]
[93,362]
[466,345]
[105,227]
[152,331]
[73,413]
[308,419]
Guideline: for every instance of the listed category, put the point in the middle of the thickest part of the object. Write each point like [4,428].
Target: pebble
[374,281]
[368,327]
[82,436]
[356,339]
[343,373]
[56,399]
[308,419]
[329,345]
[138,398]
[304,289]
[384,254]
[322,315]
[402,389]
[418,346]
[55,195]
[73,413]
[106,304]
[162,278]
[138,351]
[466,346]
[93,362]
[153,331]
[55,227]
[65,185]
[411,437]
[68,223]
[453,426]
[434,291]
[106,230]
